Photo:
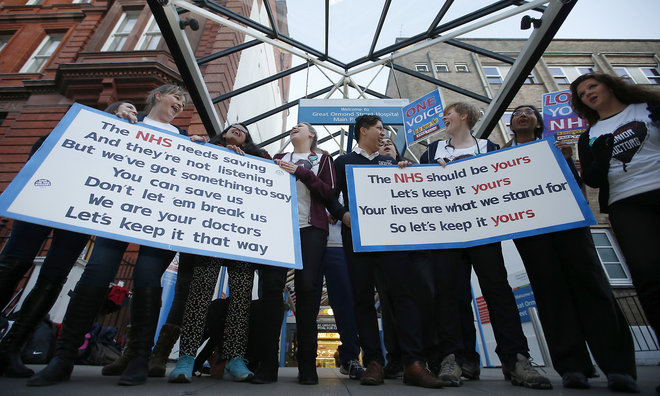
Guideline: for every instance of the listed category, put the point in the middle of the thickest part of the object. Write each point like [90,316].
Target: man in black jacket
[372,269]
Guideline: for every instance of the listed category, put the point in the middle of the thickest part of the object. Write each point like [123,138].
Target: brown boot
[169,333]
[418,374]
[374,374]
[217,365]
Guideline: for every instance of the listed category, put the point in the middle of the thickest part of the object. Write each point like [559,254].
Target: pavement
[87,381]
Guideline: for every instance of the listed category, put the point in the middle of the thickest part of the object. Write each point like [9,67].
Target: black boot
[273,313]
[85,304]
[34,309]
[145,309]
[12,269]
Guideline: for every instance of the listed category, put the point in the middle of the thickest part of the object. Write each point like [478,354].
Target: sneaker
[471,370]
[237,369]
[352,368]
[450,371]
[523,374]
[574,380]
[622,383]
[182,373]
[393,370]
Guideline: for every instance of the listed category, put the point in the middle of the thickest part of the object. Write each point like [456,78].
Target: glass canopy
[348,49]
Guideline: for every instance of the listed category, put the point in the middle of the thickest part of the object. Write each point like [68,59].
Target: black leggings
[576,304]
[635,223]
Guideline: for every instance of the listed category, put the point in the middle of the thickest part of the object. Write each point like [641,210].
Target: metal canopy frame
[166,14]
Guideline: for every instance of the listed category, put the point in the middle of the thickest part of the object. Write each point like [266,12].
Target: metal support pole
[540,336]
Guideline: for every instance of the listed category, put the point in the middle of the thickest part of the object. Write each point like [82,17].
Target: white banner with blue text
[511,193]
[99,174]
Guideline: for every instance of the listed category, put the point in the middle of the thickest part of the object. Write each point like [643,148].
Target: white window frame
[123,35]
[573,72]
[581,72]
[627,281]
[651,79]
[531,79]
[42,54]
[559,78]
[626,75]
[33,2]
[491,77]
[506,119]
[81,1]
[151,32]
[459,68]
[421,67]
[442,68]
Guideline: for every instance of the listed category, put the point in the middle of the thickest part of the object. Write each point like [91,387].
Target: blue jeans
[26,240]
[340,296]
[106,258]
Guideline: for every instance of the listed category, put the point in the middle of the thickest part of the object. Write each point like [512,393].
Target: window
[610,258]
[493,75]
[531,79]
[559,75]
[506,119]
[461,68]
[623,72]
[121,31]
[421,67]
[81,1]
[4,39]
[43,52]
[651,74]
[150,38]
[584,70]
[33,2]
[442,68]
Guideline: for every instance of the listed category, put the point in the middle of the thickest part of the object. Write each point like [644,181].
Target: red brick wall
[15,142]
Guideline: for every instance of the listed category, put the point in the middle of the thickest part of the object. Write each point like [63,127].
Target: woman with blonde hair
[164,104]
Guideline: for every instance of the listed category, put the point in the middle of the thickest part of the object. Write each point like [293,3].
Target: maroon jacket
[321,188]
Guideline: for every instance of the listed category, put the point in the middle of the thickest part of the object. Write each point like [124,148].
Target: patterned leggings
[205,276]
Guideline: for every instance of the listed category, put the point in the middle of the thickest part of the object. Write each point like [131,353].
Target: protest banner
[559,119]
[505,194]
[101,175]
[422,118]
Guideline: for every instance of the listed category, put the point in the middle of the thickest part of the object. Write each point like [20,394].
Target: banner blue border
[589,218]
[25,174]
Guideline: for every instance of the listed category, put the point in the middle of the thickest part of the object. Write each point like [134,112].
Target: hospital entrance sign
[344,111]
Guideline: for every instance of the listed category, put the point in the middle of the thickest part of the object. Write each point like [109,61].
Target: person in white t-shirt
[620,154]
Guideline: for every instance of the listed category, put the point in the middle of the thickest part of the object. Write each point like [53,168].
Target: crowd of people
[424,295]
